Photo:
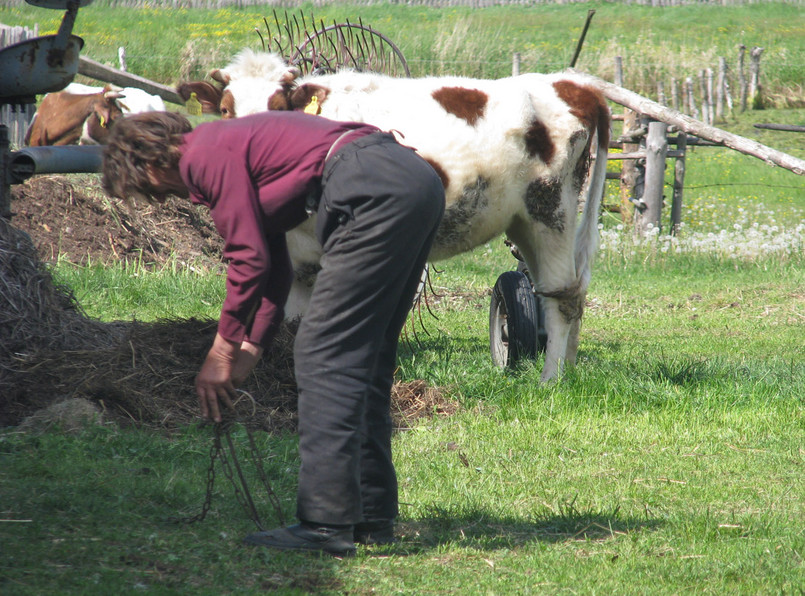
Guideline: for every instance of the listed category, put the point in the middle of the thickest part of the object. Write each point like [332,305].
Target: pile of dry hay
[137,373]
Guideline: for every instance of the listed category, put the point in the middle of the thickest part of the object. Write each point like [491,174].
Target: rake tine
[260,35]
[296,23]
[416,335]
[332,45]
[419,312]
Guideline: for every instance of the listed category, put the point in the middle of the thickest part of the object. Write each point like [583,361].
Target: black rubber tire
[513,319]
[542,333]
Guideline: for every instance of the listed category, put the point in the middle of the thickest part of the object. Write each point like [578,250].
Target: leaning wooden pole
[101,72]
[643,105]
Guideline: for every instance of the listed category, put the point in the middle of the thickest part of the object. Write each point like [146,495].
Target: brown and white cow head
[105,111]
[251,93]
[251,78]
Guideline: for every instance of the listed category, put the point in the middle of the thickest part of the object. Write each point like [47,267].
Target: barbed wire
[723,184]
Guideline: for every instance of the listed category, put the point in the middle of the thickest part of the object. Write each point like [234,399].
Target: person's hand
[214,380]
[248,357]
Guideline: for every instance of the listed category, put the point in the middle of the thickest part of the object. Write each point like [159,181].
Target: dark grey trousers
[381,204]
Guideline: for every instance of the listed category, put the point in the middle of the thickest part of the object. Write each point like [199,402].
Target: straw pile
[136,373]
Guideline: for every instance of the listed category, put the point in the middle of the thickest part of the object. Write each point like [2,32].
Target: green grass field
[670,461]
[169,44]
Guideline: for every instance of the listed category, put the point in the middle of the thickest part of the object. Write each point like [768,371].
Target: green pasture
[170,44]
[669,461]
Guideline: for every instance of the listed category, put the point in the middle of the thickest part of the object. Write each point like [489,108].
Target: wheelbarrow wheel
[514,317]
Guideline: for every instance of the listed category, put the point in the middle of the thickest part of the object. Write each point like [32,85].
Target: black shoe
[334,541]
[374,533]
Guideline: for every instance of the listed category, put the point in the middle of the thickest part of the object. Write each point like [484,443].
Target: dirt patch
[72,219]
[133,373]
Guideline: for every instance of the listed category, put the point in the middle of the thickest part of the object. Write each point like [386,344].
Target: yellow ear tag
[193,105]
[103,120]
[313,107]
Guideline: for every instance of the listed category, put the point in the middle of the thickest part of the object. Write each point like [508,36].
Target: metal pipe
[54,160]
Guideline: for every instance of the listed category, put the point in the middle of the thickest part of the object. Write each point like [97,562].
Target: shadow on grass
[477,529]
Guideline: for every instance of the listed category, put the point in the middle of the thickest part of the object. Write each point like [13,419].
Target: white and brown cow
[83,114]
[513,154]
[65,118]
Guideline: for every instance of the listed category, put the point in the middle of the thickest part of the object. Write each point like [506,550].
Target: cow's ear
[220,76]
[281,100]
[206,93]
[290,75]
[301,96]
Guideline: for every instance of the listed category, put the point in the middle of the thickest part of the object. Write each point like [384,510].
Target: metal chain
[239,484]
[205,507]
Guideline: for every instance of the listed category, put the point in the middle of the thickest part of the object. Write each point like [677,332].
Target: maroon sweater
[255,174]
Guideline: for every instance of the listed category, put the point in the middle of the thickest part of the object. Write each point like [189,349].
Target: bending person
[378,205]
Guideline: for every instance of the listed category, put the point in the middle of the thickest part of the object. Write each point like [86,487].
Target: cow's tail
[587,232]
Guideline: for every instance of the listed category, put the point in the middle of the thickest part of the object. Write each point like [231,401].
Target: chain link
[222,442]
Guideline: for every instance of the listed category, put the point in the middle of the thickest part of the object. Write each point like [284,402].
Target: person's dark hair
[139,140]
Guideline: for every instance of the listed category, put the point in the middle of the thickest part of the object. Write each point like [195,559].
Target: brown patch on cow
[467,104]
[538,141]
[543,200]
[582,166]
[588,105]
[279,101]
[440,171]
[458,217]
[300,97]
[228,105]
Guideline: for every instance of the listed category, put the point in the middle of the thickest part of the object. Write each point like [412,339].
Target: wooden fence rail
[647,185]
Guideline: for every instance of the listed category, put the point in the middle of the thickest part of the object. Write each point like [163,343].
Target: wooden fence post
[721,89]
[679,182]
[516,64]
[703,94]
[727,90]
[675,102]
[661,99]
[693,111]
[651,201]
[755,89]
[742,76]
[628,177]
